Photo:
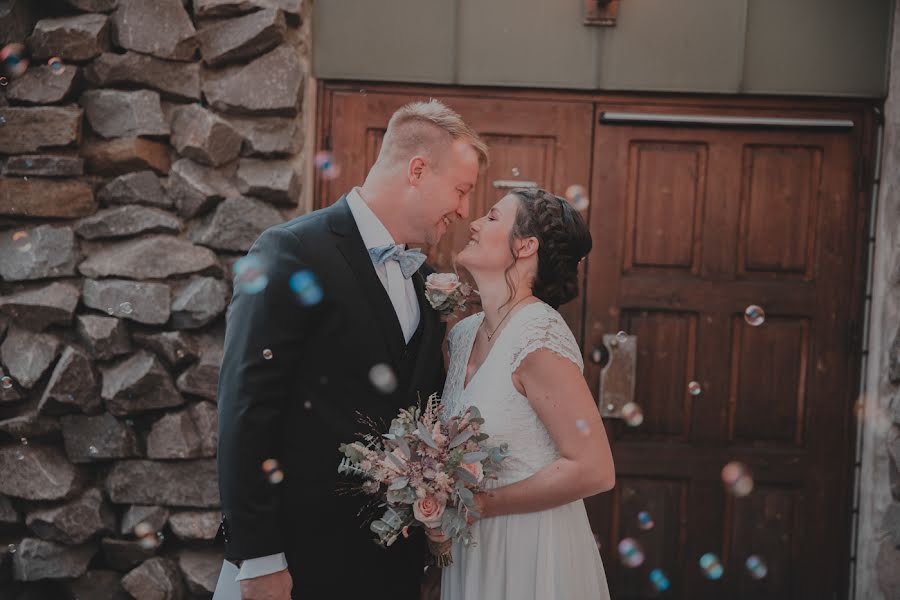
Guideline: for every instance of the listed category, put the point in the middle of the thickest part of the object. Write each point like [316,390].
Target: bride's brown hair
[563,240]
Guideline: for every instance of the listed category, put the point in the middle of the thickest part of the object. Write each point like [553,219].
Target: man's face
[445,192]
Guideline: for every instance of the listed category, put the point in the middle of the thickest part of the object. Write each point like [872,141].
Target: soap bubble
[659,580]
[631,553]
[57,67]
[578,197]
[645,521]
[383,378]
[250,275]
[273,471]
[754,315]
[737,479]
[711,567]
[632,414]
[306,288]
[756,566]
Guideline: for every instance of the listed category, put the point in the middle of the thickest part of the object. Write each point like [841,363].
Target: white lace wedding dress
[546,555]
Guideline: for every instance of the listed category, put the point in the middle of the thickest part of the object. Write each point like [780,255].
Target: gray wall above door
[797,47]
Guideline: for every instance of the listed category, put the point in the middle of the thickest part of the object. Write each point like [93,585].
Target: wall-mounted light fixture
[601,12]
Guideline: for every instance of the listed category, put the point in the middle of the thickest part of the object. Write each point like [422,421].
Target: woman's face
[488,246]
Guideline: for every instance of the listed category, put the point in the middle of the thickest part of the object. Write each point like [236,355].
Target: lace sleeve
[548,331]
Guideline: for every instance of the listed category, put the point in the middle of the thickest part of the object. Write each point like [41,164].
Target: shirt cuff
[264,565]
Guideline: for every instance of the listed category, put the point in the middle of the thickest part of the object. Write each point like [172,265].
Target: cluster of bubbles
[324,161]
[20,454]
[577,195]
[250,275]
[124,308]
[306,288]
[383,378]
[273,471]
[737,479]
[712,568]
[148,538]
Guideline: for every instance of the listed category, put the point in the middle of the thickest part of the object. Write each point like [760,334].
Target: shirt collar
[371,229]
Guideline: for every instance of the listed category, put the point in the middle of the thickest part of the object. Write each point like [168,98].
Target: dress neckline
[471,344]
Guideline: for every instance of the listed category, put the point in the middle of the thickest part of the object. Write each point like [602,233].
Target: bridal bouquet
[425,471]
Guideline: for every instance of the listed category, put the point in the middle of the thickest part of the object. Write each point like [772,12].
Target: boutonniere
[446,293]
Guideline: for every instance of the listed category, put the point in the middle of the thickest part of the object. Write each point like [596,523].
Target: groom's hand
[275,586]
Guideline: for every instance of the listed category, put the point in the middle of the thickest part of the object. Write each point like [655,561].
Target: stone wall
[878,539]
[132,179]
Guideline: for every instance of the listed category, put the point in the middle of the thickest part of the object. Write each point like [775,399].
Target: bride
[519,363]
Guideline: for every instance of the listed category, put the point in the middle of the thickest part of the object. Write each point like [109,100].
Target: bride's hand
[480,502]
[437,541]
[435,535]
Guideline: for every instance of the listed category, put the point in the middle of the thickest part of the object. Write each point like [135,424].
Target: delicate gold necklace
[509,312]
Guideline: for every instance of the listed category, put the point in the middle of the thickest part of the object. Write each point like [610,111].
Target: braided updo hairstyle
[563,240]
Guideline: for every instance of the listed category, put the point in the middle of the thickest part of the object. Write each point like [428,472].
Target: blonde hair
[424,127]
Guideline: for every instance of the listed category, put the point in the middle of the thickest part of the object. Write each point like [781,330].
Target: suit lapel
[430,321]
[373,294]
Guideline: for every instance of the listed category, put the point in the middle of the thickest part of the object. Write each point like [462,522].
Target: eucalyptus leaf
[466,476]
[404,447]
[399,483]
[400,464]
[425,435]
[461,438]
[474,457]
[378,526]
[465,494]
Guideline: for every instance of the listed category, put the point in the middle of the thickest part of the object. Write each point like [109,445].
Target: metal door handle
[617,376]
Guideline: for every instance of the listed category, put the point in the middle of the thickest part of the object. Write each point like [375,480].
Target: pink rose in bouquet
[425,471]
[428,511]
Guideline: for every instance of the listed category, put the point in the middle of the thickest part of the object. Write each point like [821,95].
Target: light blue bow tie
[410,260]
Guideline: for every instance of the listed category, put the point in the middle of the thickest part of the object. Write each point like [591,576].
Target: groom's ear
[416,169]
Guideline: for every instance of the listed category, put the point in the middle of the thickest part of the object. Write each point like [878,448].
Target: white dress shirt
[402,293]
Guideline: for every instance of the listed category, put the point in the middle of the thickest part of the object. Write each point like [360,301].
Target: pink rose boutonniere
[446,293]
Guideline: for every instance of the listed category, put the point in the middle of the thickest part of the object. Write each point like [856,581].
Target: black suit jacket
[298,405]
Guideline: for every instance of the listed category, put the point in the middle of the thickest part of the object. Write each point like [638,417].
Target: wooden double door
[692,222]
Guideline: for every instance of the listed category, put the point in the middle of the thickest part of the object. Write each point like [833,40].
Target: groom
[300,367]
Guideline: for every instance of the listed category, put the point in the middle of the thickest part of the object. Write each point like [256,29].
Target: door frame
[864,113]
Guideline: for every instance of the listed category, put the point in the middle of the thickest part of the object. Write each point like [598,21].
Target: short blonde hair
[422,127]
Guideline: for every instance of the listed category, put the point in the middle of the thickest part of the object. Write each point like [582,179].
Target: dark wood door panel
[547,143]
[690,227]
[697,225]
